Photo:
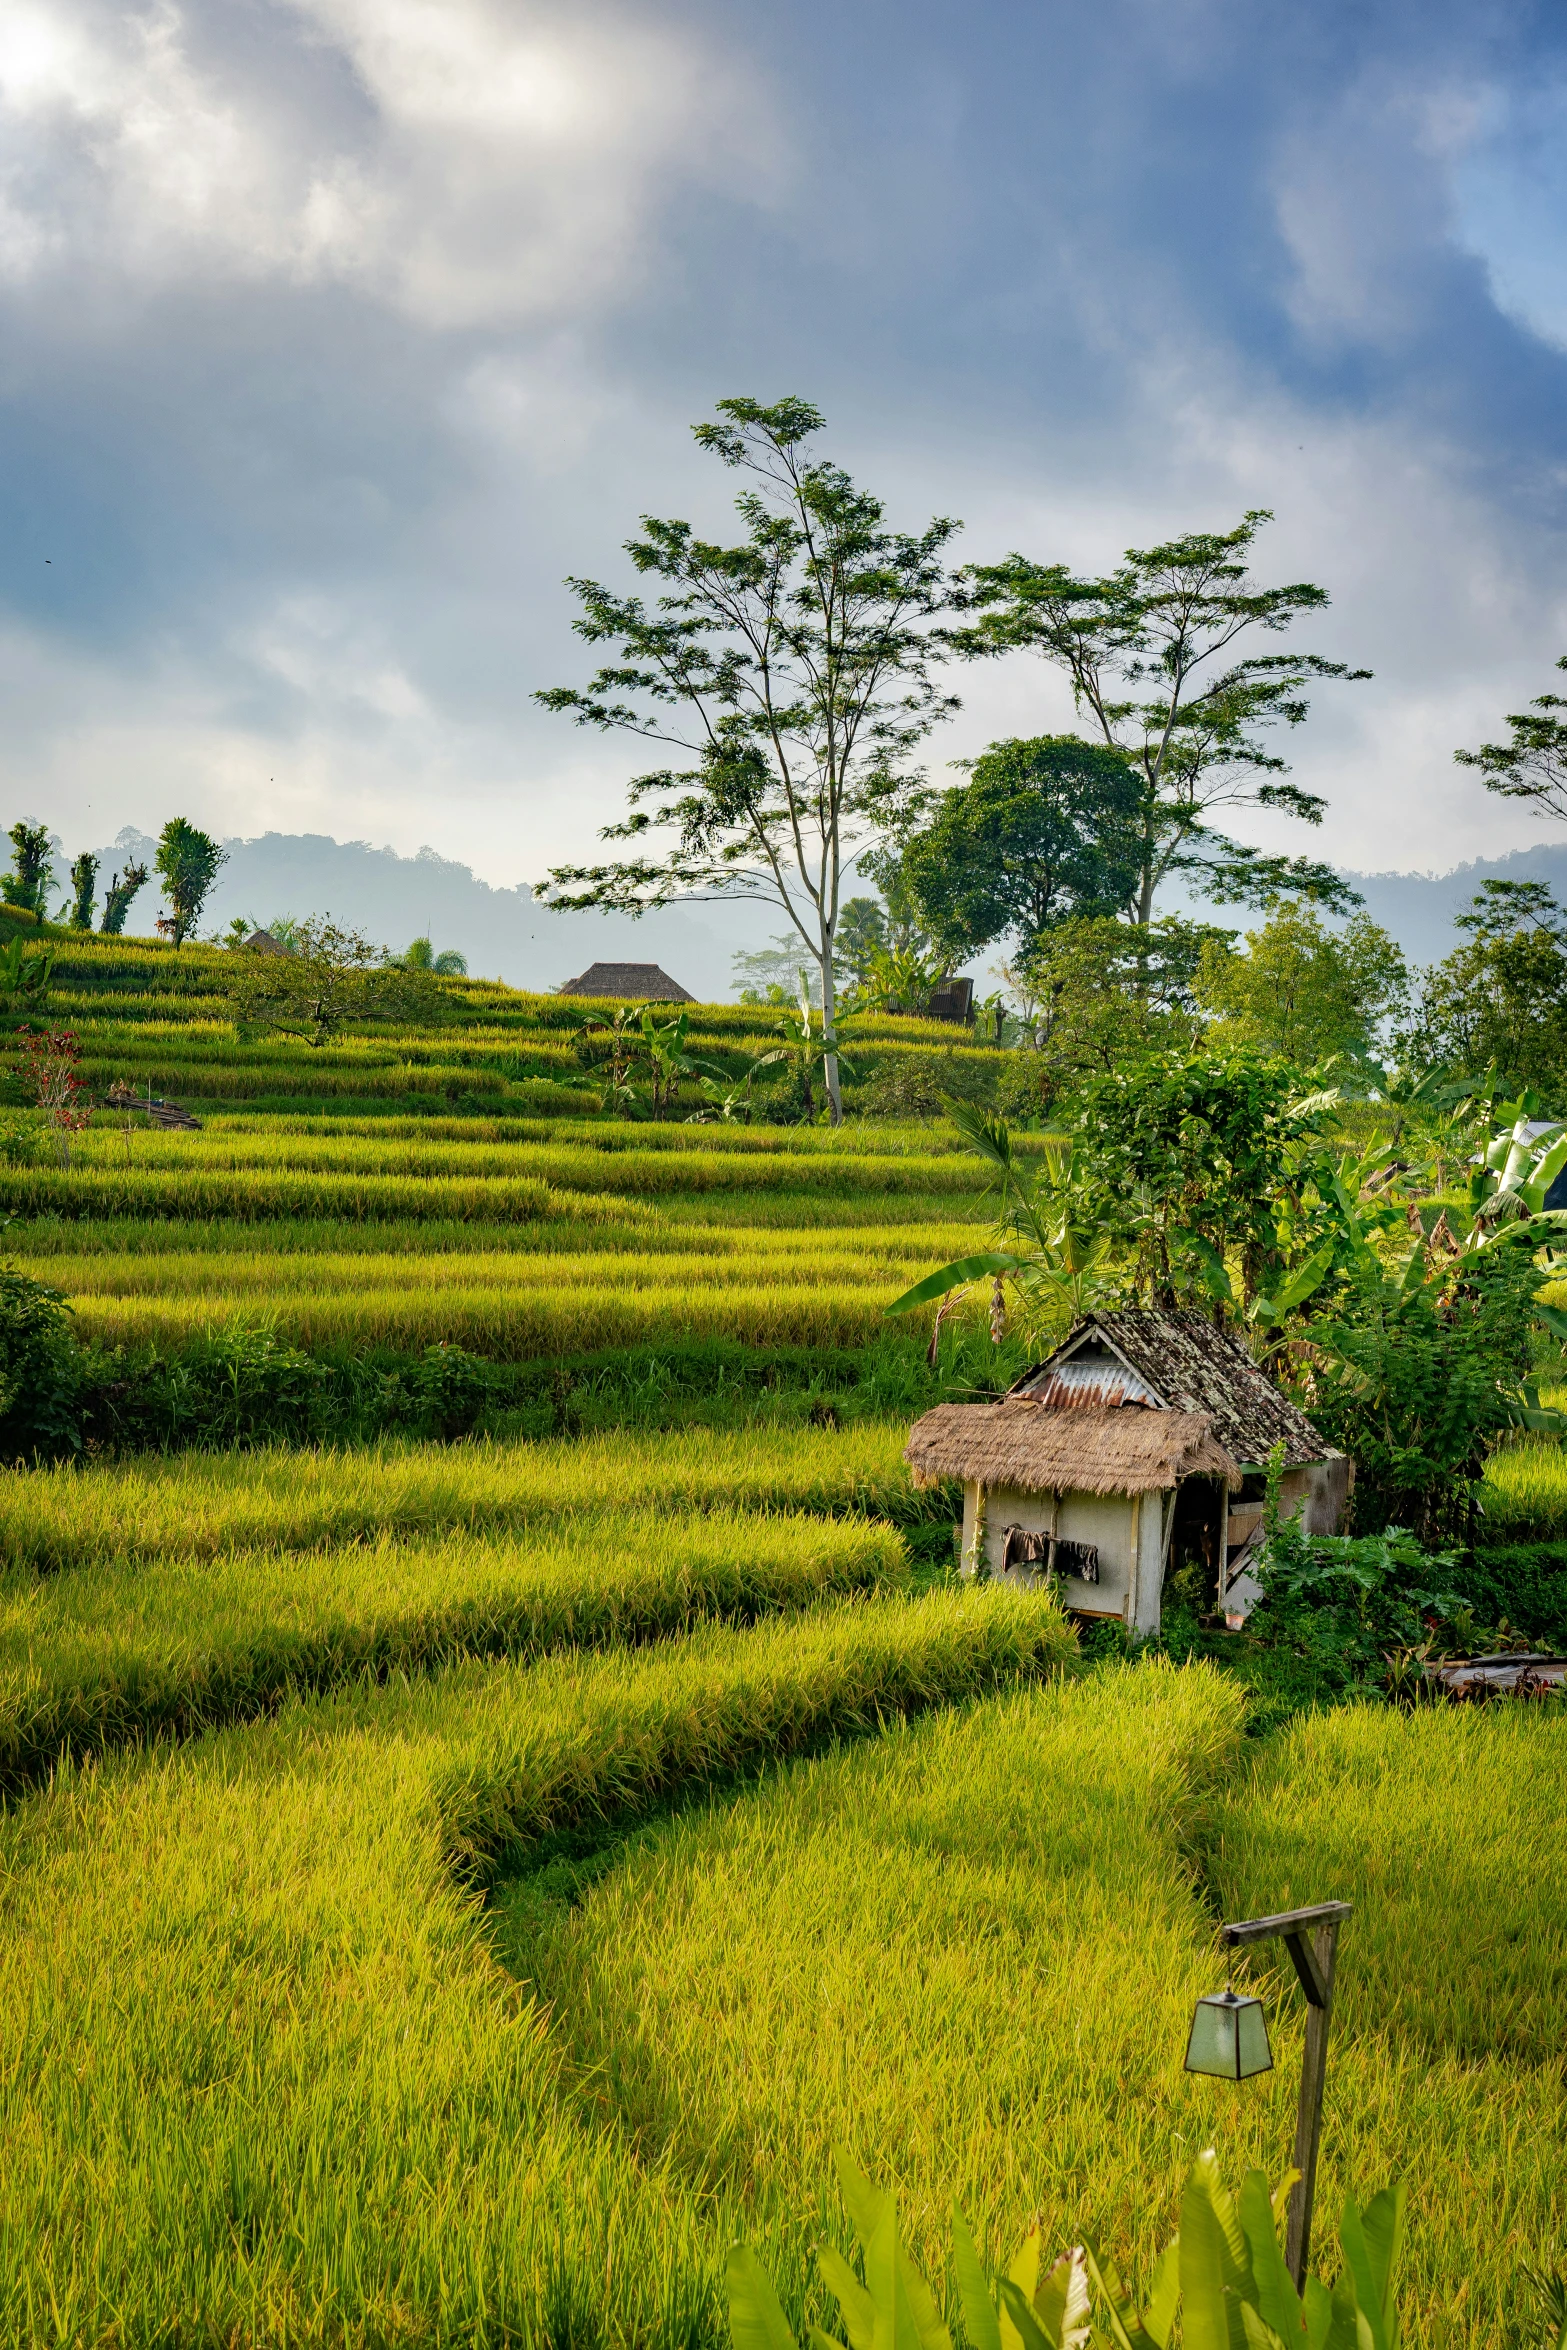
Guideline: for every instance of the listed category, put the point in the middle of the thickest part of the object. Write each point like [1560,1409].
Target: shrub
[40,1370]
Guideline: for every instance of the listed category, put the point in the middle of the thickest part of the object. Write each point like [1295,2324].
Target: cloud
[467,162]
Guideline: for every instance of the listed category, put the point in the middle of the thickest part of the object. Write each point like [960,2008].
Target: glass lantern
[1229,2038]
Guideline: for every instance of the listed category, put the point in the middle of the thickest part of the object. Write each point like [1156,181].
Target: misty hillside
[505,935]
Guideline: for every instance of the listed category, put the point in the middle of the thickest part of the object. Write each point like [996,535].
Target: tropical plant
[1418,1371]
[1057,1262]
[794,671]
[804,1048]
[187,863]
[900,979]
[662,1056]
[1192,1161]
[1224,2275]
[26,972]
[421,956]
[117,901]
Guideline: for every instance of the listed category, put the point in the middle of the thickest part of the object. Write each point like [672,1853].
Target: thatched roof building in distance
[1136,1451]
[634,983]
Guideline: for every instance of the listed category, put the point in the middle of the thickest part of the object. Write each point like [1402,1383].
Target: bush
[1416,1383]
[40,1371]
[916,1085]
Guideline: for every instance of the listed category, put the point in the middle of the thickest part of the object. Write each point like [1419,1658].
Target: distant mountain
[1418,908]
[506,935]
[503,932]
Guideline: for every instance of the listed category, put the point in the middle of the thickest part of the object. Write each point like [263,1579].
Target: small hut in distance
[634,983]
[1140,1446]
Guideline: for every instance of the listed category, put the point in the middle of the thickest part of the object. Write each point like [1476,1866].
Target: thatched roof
[637,983]
[1092,1449]
[1187,1364]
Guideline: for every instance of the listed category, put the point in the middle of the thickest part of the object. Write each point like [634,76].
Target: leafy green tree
[1042,830]
[1147,651]
[1532,764]
[1500,1000]
[187,863]
[84,885]
[1106,992]
[117,903]
[1302,990]
[793,670]
[330,978]
[1192,1161]
[31,877]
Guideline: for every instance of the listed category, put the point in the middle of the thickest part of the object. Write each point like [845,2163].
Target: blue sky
[332,335]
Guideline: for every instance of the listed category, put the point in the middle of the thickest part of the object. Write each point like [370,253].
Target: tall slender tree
[1148,653]
[28,883]
[187,862]
[117,899]
[84,889]
[794,670]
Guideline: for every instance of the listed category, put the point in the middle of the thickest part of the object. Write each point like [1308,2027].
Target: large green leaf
[1277,2299]
[1215,2269]
[952,1277]
[756,2319]
[980,2322]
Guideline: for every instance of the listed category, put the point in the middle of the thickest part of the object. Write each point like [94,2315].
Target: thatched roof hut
[637,983]
[1136,1450]
[1031,1448]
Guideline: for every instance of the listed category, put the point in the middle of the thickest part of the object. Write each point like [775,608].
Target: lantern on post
[1229,2038]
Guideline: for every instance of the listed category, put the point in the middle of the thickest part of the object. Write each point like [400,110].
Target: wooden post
[1311,1938]
[1320,1954]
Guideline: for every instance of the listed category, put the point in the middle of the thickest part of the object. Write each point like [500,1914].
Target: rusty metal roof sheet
[1184,1363]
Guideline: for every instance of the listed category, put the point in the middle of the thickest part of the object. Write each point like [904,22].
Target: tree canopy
[187,864]
[793,671]
[1301,989]
[1043,829]
[1147,651]
[1532,763]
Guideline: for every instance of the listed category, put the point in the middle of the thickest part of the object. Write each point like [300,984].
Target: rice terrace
[507,1782]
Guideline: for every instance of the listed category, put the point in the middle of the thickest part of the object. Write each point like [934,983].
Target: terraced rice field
[446,1891]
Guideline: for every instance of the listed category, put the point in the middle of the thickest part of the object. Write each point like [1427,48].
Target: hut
[636,983]
[1140,1447]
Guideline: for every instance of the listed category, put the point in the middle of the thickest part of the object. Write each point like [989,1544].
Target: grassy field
[447,1889]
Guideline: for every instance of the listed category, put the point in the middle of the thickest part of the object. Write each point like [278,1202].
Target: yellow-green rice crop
[1525,1487]
[260,2077]
[113,1653]
[199,1505]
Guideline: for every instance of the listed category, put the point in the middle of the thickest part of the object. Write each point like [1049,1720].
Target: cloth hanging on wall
[1021,1547]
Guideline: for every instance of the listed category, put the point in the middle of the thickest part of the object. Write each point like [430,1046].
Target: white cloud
[492,162]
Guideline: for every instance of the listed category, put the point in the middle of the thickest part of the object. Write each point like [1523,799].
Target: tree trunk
[829,1037]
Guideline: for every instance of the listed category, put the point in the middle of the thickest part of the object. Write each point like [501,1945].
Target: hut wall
[1103,1519]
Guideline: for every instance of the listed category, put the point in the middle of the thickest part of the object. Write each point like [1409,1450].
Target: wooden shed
[1139,1447]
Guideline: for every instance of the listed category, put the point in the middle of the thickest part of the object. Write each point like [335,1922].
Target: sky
[334,335]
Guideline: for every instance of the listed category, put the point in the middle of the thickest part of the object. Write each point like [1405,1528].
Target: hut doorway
[1196,1548]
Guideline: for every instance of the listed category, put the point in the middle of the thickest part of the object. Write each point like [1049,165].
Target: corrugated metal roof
[1186,1363]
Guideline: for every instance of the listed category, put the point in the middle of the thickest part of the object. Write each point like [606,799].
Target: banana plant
[26,972]
[1057,1261]
[1518,1171]
[1224,2274]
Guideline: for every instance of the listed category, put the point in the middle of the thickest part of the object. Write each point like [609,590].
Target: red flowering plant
[49,1065]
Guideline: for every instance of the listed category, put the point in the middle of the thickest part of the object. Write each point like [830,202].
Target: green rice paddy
[448,1890]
